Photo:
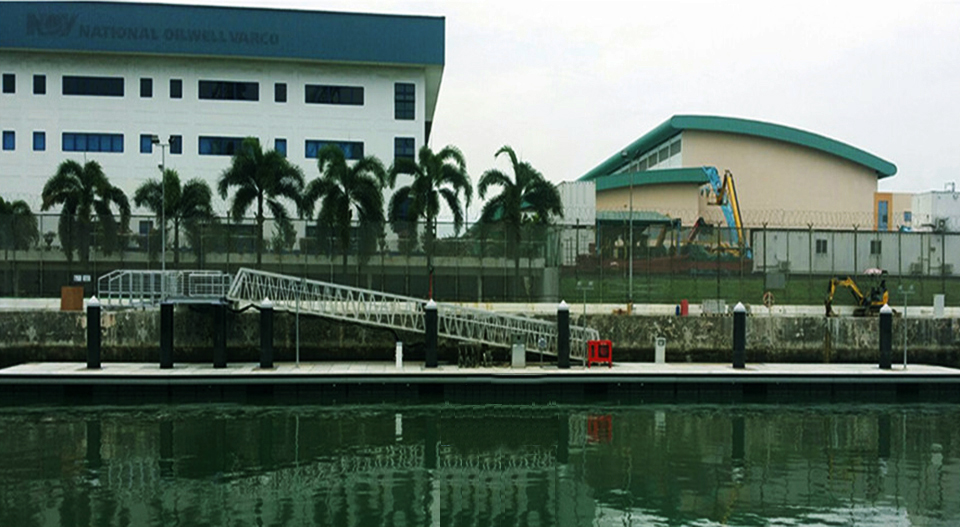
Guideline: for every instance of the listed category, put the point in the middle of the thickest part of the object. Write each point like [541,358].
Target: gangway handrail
[400,312]
[145,287]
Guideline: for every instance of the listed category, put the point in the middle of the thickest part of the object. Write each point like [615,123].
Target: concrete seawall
[43,335]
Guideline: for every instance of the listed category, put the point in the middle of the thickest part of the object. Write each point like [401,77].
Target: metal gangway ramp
[147,288]
[374,308]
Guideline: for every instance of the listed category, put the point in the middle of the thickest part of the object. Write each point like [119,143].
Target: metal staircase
[125,288]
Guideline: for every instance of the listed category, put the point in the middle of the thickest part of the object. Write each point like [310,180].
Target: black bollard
[166,335]
[94,444]
[220,336]
[739,336]
[883,436]
[886,336]
[738,435]
[166,448]
[563,336]
[266,334]
[563,438]
[431,325]
[93,334]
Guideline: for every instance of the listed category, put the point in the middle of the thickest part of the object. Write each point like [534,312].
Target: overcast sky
[568,84]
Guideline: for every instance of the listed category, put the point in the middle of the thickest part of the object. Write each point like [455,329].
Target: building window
[280,145]
[39,141]
[351,149]
[176,89]
[875,247]
[907,216]
[821,246]
[93,86]
[9,140]
[675,148]
[883,217]
[146,143]
[219,146]
[404,100]
[39,84]
[403,148]
[280,92]
[344,95]
[9,83]
[146,88]
[176,144]
[229,91]
[84,142]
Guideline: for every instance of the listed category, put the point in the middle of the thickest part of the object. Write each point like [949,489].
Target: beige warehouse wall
[676,201]
[785,185]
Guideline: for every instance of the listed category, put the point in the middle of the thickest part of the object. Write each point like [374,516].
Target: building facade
[95,80]
[784,177]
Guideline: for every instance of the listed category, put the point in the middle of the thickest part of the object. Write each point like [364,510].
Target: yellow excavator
[867,305]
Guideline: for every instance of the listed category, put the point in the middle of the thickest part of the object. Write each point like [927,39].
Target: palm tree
[435,176]
[342,190]
[527,192]
[18,225]
[264,178]
[189,204]
[84,191]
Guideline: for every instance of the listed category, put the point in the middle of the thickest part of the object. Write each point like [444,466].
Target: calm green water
[491,465]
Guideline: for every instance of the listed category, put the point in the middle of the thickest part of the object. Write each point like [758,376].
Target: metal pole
[163,221]
[299,294]
[630,280]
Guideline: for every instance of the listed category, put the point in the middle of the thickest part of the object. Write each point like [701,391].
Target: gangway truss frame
[142,288]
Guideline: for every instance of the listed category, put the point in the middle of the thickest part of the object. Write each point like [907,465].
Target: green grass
[749,288]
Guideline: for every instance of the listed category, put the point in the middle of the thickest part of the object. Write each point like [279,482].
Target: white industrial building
[94,80]
[578,235]
[937,210]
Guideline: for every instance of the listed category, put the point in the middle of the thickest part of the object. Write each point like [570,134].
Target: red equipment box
[599,351]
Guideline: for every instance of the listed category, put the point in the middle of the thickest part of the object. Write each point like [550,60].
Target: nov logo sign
[50,25]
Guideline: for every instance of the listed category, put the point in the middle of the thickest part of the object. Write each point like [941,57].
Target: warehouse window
[674,148]
[351,149]
[176,89]
[875,247]
[404,100]
[219,146]
[821,246]
[39,141]
[146,87]
[280,92]
[343,95]
[39,84]
[9,83]
[403,148]
[9,140]
[84,142]
[93,86]
[176,144]
[229,91]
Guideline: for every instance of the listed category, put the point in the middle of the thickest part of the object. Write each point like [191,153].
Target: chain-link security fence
[665,264]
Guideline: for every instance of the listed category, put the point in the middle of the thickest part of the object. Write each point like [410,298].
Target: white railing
[127,288]
[138,288]
[401,313]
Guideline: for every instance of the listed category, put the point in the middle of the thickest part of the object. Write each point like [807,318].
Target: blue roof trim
[679,123]
[116,27]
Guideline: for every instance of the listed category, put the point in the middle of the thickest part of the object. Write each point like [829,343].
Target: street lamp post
[163,214]
[630,249]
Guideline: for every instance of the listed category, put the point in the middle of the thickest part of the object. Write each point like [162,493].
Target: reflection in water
[493,465]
